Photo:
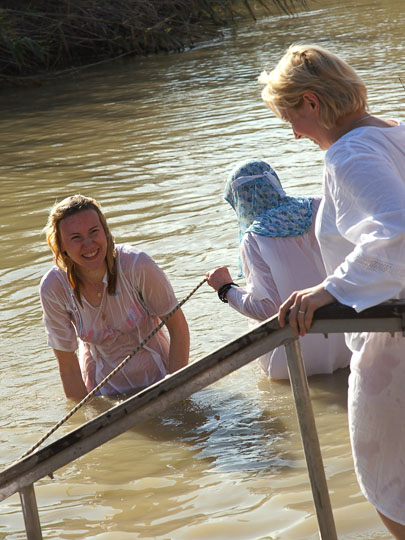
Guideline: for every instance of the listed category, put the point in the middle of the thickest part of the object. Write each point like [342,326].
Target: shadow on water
[324,389]
[327,389]
[234,431]
[206,423]
[200,452]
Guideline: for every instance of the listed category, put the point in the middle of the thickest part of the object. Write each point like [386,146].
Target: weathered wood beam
[146,404]
[310,441]
[30,512]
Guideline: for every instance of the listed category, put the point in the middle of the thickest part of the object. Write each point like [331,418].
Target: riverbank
[43,38]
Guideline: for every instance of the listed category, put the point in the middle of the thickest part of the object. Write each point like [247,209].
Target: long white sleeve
[362,220]
[274,268]
[260,299]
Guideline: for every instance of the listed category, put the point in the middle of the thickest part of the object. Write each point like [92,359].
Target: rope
[113,372]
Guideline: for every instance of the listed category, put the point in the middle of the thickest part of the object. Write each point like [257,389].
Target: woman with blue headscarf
[278,255]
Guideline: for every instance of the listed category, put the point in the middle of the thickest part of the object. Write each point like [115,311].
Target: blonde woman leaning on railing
[361,231]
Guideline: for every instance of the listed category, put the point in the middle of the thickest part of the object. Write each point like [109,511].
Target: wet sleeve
[369,200]
[153,285]
[259,300]
[61,334]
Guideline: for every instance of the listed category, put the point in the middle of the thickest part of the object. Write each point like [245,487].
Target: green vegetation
[38,37]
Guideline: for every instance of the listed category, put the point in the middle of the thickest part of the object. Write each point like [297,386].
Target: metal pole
[30,512]
[310,440]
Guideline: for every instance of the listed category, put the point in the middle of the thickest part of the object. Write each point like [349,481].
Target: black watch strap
[223,291]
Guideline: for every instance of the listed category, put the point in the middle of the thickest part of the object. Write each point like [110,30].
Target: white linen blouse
[274,268]
[361,231]
[106,334]
[361,224]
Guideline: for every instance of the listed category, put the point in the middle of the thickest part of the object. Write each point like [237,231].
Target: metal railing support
[310,441]
[30,512]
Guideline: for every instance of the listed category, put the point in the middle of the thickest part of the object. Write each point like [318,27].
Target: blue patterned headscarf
[254,191]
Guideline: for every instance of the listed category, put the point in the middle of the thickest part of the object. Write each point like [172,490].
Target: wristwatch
[223,291]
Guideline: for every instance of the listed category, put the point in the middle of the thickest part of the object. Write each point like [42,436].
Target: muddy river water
[153,140]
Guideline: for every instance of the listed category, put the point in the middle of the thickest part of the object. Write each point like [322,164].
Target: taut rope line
[113,372]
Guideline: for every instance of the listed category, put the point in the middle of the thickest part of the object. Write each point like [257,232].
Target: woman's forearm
[70,374]
[179,341]
[245,303]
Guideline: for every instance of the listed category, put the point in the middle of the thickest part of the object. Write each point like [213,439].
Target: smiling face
[83,239]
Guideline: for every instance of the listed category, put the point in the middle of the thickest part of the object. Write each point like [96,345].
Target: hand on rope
[110,375]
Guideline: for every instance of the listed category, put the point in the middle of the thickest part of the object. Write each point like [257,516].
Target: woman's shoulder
[127,251]
[363,149]
[54,281]
[367,139]
[316,201]
[130,256]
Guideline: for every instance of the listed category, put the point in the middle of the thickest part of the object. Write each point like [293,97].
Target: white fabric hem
[378,506]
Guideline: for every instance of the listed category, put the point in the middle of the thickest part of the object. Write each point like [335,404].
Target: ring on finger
[301,311]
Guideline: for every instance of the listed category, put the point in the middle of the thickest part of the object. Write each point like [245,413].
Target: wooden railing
[336,318]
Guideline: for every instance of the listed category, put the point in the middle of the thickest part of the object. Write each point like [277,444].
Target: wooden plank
[310,441]
[30,512]
[146,404]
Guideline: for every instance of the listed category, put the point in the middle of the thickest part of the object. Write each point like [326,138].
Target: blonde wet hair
[311,68]
[69,207]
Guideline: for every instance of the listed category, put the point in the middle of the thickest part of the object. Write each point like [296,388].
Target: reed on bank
[43,36]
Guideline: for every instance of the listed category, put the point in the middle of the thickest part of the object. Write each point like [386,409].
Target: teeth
[92,254]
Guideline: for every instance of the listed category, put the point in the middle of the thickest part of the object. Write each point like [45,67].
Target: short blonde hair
[68,207]
[311,68]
